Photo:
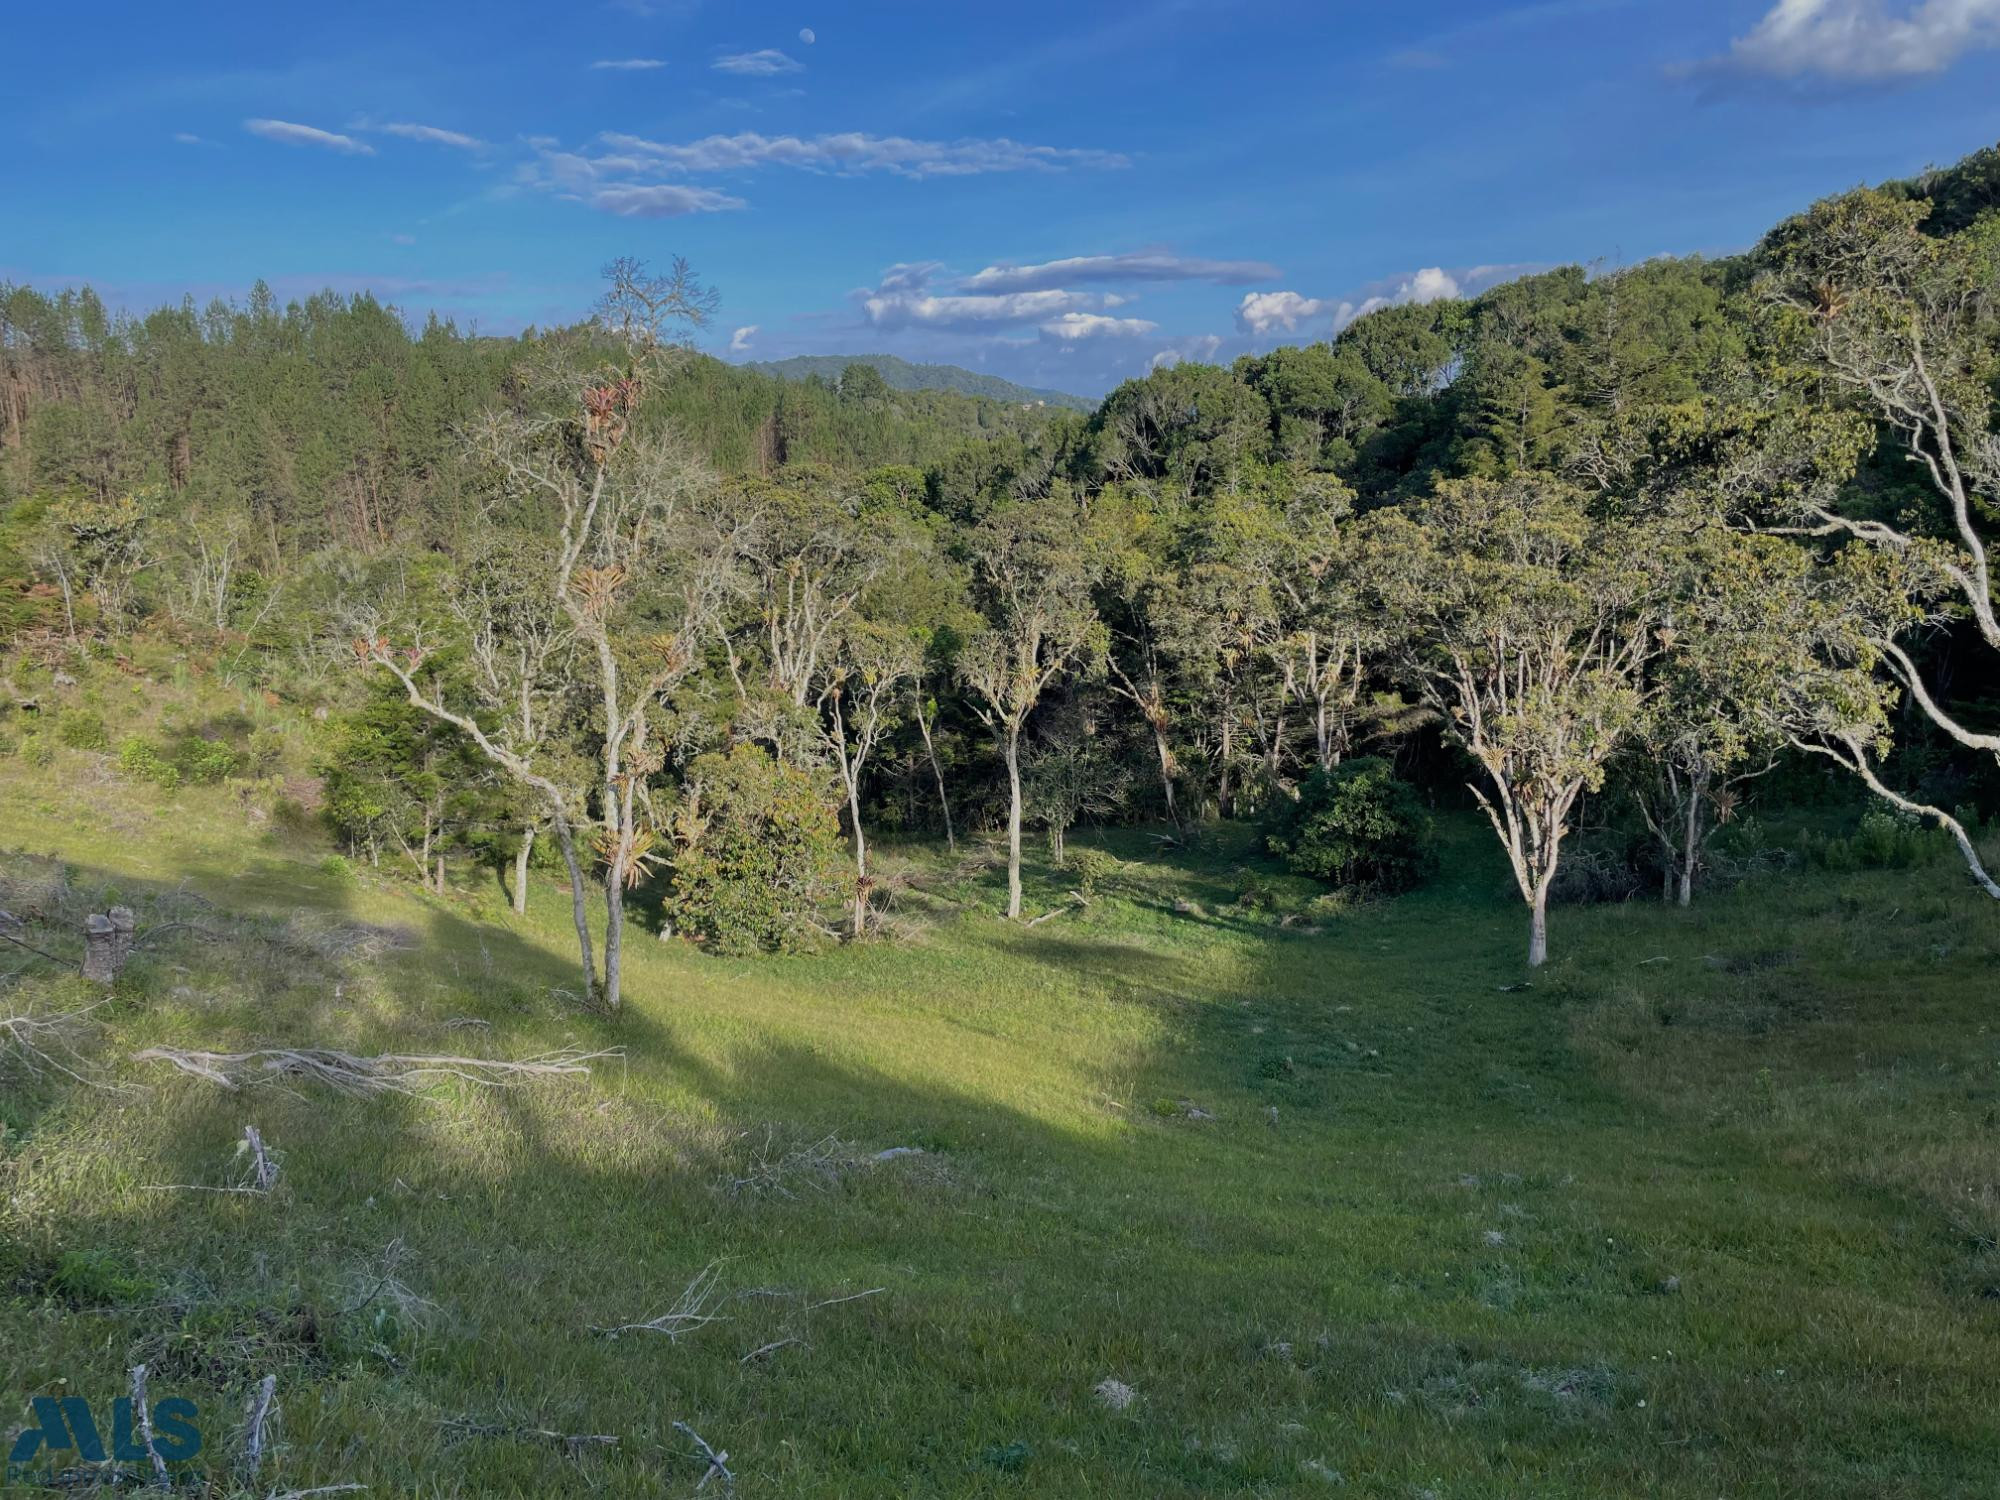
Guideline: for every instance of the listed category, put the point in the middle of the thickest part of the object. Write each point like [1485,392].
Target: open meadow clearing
[1204,1205]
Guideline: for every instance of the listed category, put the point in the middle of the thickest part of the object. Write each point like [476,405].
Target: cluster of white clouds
[766,62]
[1261,314]
[1143,266]
[1861,40]
[291,133]
[1048,299]
[628,64]
[635,177]
[849,153]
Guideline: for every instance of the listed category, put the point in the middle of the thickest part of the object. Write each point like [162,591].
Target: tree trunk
[521,870]
[614,930]
[930,749]
[860,858]
[1166,771]
[1012,750]
[1690,842]
[579,907]
[1538,928]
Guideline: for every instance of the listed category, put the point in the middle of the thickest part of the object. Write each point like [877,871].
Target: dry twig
[693,1310]
[143,1415]
[575,1442]
[718,1463]
[392,1073]
[257,1415]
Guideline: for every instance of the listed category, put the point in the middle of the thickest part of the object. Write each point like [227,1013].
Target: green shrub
[760,854]
[339,867]
[267,752]
[204,762]
[80,729]
[1885,839]
[138,759]
[1093,869]
[37,749]
[1356,825]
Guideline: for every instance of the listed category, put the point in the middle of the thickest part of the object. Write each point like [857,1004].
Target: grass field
[1711,1209]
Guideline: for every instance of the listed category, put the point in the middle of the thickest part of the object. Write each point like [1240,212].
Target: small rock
[895,1151]
[1671,1285]
[1115,1394]
[1186,907]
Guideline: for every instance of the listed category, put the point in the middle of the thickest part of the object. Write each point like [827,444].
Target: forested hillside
[901,375]
[1616,551]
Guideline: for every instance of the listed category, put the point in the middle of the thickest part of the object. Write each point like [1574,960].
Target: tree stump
[100,949]
[124,928]
[107,943]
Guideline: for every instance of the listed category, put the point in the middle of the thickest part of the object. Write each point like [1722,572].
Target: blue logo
[64,1424]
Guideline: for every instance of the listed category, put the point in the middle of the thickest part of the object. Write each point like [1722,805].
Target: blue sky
[1061,193]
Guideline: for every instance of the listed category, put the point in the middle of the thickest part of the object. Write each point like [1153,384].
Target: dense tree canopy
[1612,540]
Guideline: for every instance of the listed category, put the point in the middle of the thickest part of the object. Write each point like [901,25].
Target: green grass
[1711,1209]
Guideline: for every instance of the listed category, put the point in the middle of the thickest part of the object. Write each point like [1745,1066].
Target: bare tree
[632,574]
[1904,324]
[859,688]
[1031,583]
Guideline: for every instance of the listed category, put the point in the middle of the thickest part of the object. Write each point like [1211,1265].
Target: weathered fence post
[100,949]
[107,943]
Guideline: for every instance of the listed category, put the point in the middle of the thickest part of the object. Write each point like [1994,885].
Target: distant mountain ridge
[904,376]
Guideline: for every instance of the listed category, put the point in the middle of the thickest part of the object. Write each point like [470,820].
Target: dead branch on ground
[393,1073]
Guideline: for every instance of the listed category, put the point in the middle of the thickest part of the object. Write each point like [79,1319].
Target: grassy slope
[1710,1210]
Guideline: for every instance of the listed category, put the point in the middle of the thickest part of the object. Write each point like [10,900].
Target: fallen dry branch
[695,1309]
[393,1073]
[873,1291]
[1074,902]
[771,1348]
[142,1413]
[575,1443]
[256,1422]
[38,1041]
[718,1463]
[8,937]
[259,1178]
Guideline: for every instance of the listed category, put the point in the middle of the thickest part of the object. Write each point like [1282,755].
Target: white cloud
[1272,312]
[403,239]
[739,341]
[1077,325]
[1200,349]
[1861,40]
[628,64]
[767,63]
[285,133]
[189,138]
[892,310]
[852,153]
[632,200]
[432,135]
[1128,267]
[1265,313]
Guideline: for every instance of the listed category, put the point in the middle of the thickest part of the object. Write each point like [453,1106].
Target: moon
[806,35]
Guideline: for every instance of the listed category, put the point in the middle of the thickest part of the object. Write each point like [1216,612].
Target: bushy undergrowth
[760,854]
[1356,826]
